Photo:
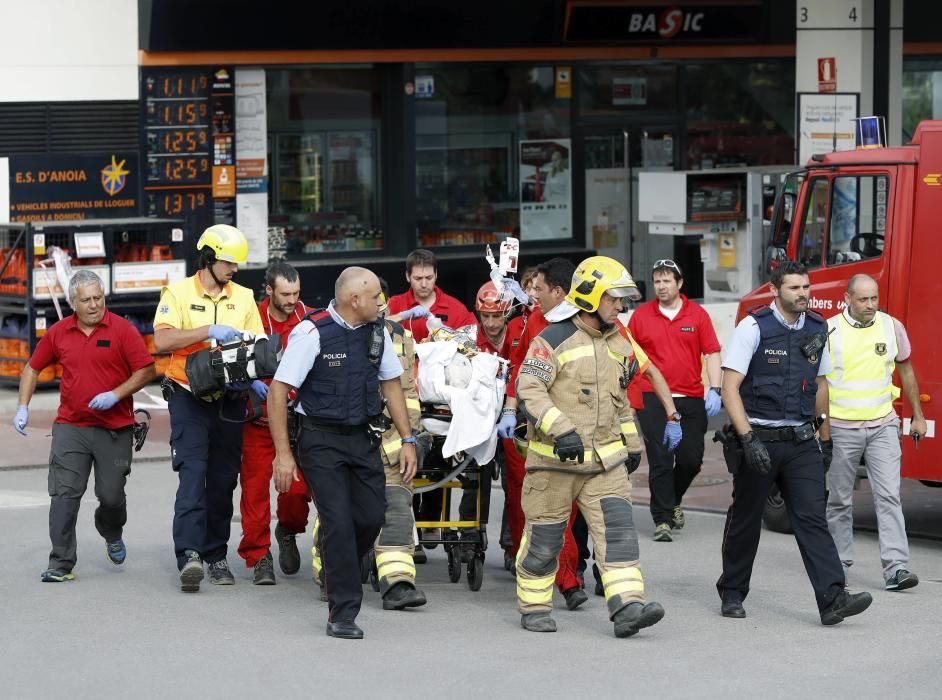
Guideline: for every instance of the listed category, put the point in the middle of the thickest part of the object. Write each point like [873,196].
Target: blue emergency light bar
[870,132]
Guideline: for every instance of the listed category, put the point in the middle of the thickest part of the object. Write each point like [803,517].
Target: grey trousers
[74,450]
[881,449]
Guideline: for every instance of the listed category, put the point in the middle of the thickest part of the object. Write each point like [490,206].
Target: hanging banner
[4,190]
[545,189]
[68,186]
[251,131]
[251,168]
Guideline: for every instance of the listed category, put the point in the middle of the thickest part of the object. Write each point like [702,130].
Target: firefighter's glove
[712,402]
[569,446]
[633,462]
[506,426]
[260,388]
[417,311]
[757,457]
[223,334]
[827,453]
[672,435]
[103,401]
[21,419]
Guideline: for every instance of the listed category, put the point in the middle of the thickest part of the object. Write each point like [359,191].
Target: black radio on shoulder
[375,348]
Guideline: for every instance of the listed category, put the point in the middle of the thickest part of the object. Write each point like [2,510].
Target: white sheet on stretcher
[474,399]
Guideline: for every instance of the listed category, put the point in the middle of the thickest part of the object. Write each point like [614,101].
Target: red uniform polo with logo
[92,364]
[452,312]
[283,328]
[530,328]
[675,346]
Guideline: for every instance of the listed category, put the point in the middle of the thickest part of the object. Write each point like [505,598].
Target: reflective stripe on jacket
[569,380]
[405,351]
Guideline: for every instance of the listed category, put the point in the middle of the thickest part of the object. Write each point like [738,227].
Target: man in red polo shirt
[413,307]
[677,335]
[281,311]
[104,361]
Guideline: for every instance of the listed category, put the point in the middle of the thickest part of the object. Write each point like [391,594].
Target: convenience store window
[324,148]
[740,113]
[492,153]
[922,93]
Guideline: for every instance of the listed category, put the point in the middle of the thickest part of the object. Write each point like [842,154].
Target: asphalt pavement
[126,631]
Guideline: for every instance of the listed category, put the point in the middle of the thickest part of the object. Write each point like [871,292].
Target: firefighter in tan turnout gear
[571,388]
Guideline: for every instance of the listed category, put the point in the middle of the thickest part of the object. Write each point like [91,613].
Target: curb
[25,467]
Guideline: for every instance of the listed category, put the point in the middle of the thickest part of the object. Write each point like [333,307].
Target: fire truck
[877,211]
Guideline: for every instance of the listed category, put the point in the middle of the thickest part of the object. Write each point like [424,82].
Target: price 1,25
[184,169]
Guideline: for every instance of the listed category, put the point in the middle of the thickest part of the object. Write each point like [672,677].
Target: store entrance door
[613,156]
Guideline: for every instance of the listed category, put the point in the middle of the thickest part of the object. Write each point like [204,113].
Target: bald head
[358,295]
[859,279]
[863,298]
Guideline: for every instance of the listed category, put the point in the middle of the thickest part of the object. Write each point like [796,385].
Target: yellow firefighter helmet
[227,242]
[597,275]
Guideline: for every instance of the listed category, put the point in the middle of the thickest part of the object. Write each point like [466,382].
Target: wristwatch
[674,417]
[407,441]
[718,390]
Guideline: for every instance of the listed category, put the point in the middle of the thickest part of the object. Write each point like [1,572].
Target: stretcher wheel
[476,573]
[454,563]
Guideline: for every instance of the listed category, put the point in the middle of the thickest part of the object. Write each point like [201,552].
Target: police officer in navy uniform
[340,361]
[774,387]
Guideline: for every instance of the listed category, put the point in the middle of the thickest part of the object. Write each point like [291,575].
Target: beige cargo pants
[605,502]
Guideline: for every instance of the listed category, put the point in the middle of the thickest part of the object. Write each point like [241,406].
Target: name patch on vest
[688,329]
[773,360]
[197,307]
[880,348]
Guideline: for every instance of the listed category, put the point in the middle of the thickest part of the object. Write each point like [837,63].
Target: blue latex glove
[223,333]
[260,388]
[672,435]
[513,286]
[103,401]
[417,311]
[506,426]
[713,402]
[21,419]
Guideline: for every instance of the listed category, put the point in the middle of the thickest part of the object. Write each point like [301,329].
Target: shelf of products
[134,257]
[323,191]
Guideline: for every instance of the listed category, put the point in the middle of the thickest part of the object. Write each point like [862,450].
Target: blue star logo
[164,309]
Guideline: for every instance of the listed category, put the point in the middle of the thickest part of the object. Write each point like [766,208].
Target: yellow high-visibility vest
[861,385]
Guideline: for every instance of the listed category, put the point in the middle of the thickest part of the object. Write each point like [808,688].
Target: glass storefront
[324,149]
[494,147]
[492,154]
[922,93]
[740,113]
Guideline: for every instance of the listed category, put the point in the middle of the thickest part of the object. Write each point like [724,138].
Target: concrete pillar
[865,37]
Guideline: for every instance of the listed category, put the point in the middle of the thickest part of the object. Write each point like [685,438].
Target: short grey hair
[83,278]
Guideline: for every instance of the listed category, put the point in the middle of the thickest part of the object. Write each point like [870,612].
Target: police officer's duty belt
[798,433]
[309,423]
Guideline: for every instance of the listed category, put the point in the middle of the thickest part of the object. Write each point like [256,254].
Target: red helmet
[489,301]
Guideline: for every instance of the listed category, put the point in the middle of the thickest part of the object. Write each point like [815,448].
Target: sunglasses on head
[668,264]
